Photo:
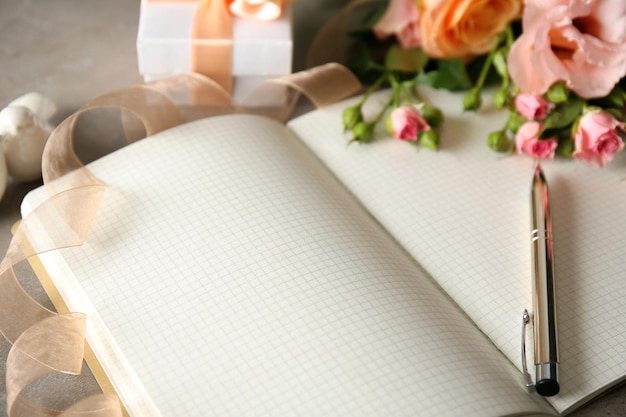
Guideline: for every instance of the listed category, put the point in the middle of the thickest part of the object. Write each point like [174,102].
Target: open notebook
[238,266]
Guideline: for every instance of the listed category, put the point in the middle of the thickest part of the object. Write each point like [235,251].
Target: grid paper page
[463,213]
[237,277]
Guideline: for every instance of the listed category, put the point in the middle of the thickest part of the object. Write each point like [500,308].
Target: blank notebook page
[463,213]
[228,273]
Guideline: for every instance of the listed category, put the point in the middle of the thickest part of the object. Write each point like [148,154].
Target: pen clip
[528,380]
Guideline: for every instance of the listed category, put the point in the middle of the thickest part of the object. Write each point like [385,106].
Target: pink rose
[596,140]
[579,42]
[409,37]
[402,20]
[532,107]
[527,141]
[406,123]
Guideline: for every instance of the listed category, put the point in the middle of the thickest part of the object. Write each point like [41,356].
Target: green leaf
[361,63]
[562,116]
[405,60]
[427,78]
[429,139]
[557,93]
[449,75]
[499,63]
[618,114]
[566,146]
[432,115]
[616,97]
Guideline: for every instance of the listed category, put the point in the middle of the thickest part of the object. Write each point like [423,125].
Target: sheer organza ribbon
[212,33]
[46,342]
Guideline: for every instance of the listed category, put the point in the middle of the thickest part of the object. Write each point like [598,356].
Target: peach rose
[596,140]
[527,141]
[402,20]
[458,28]
[579,42]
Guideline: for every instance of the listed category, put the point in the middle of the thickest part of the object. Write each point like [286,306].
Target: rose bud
[351,116]
[472,100]
[532,107]
[405,123]
[596,140]
[527,141]
[362,132]
[498,141]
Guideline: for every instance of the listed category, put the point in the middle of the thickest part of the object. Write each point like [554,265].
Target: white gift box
[261,49]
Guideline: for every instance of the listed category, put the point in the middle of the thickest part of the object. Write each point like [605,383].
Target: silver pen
[544,298]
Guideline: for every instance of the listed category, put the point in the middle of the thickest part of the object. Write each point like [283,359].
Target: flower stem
[508,32]
[485,69]
[401,89]
[373,88]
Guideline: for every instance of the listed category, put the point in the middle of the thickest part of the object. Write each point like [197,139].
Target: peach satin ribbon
[212,33]
[46,342]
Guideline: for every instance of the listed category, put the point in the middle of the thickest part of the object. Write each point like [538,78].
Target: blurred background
[75,50]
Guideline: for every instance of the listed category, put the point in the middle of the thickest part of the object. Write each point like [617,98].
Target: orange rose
[458,28]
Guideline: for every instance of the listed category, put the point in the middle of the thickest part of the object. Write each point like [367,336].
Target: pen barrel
[544,304]
[544,299]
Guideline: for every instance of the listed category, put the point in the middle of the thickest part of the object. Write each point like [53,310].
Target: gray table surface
[73,51]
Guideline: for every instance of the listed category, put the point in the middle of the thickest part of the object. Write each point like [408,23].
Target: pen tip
[538,177]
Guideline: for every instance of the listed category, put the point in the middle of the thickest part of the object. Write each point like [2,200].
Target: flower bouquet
[558,67]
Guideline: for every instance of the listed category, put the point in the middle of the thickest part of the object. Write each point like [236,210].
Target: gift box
[261,49]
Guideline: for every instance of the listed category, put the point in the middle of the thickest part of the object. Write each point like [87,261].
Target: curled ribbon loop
[52,345]
[46,342]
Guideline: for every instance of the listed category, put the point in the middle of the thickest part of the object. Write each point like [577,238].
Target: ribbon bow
[257,9]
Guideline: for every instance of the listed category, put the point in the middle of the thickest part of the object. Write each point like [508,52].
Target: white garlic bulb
[41,106]
[24,130]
